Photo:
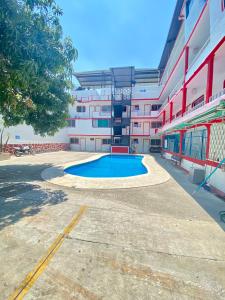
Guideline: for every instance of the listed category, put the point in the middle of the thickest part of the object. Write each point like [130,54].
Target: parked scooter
[23,150]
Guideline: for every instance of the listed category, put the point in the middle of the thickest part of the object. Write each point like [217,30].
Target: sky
[116,33]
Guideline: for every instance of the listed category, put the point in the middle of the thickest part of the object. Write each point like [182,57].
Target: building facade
[180,105]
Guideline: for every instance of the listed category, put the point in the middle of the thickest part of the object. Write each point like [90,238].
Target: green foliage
[35,65]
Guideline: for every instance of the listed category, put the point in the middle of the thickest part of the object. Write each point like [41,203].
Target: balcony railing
[218,95]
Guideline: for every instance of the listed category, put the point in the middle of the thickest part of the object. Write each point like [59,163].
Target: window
[106,141]
[106,108]
[74,141]
[194,144]
[136,124]
[71,123]
[81,108]
[101,123]
[156,124]
[135,141]
[92,139]
[136,107]
[172,143]
[198,101]
[156,107]
[155,142]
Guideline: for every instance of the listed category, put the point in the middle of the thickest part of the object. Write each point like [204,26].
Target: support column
[164,118]
[181,142]
[171,111]
[184,100]
[186,60]
[209,84]
[208,140]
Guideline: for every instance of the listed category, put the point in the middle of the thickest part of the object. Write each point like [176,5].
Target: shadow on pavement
[20,194]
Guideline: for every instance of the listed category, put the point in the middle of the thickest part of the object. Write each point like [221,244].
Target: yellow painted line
[31,277]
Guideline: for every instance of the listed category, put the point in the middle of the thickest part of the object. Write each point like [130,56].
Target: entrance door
[82,144]
[146,128]
[98,145]
[146,144]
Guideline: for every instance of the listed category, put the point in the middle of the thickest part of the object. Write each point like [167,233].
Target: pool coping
[156,175]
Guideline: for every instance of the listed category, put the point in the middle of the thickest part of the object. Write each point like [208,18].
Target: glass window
[136,124]
[106,141]
[194,144]
[106,108]
[156,124]
[101,123]
[74,141]
[81,108]
[135,141]
[155,142]
[136,107]
[71,123]
[156,107]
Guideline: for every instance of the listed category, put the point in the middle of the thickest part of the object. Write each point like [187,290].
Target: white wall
[218,178]
[24,134]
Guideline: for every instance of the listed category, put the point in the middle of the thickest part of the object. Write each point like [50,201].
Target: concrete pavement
[155,242]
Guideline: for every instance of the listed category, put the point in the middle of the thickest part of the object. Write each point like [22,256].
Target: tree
[36,65]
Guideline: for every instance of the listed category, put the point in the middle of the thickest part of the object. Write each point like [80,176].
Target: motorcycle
[23,150]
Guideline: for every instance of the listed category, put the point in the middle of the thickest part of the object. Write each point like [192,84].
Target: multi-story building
[182,103]
[117,108]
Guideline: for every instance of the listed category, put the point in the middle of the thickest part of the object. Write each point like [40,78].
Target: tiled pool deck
[153,242]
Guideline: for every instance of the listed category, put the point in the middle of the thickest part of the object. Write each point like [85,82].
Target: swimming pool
[110,166]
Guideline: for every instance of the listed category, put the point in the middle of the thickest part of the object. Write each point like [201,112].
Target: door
[82,144]
[92,109]
[146,144]
[98,145]
[147,109]
[146,128]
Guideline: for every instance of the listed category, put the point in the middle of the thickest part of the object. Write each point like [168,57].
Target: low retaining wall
[47,147]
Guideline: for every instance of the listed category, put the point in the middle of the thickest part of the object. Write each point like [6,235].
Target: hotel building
[180,105]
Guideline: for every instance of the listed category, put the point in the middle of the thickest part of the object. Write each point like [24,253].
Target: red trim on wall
[120,149]
[194,160]
[183,50]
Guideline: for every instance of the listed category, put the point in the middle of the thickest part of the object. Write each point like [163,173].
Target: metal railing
[216,96]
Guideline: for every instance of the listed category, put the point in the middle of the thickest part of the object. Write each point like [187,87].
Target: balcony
[216,104]
[140,114]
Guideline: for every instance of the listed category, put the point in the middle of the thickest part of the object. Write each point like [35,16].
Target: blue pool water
[110,166]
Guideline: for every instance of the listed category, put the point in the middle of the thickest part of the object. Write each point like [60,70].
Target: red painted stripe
[119,149]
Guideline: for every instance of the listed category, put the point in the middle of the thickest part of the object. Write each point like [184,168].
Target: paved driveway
[155,242]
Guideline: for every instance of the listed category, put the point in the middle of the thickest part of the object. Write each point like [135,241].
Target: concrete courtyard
[154,242]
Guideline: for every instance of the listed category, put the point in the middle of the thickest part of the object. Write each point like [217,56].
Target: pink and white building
[180,105]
